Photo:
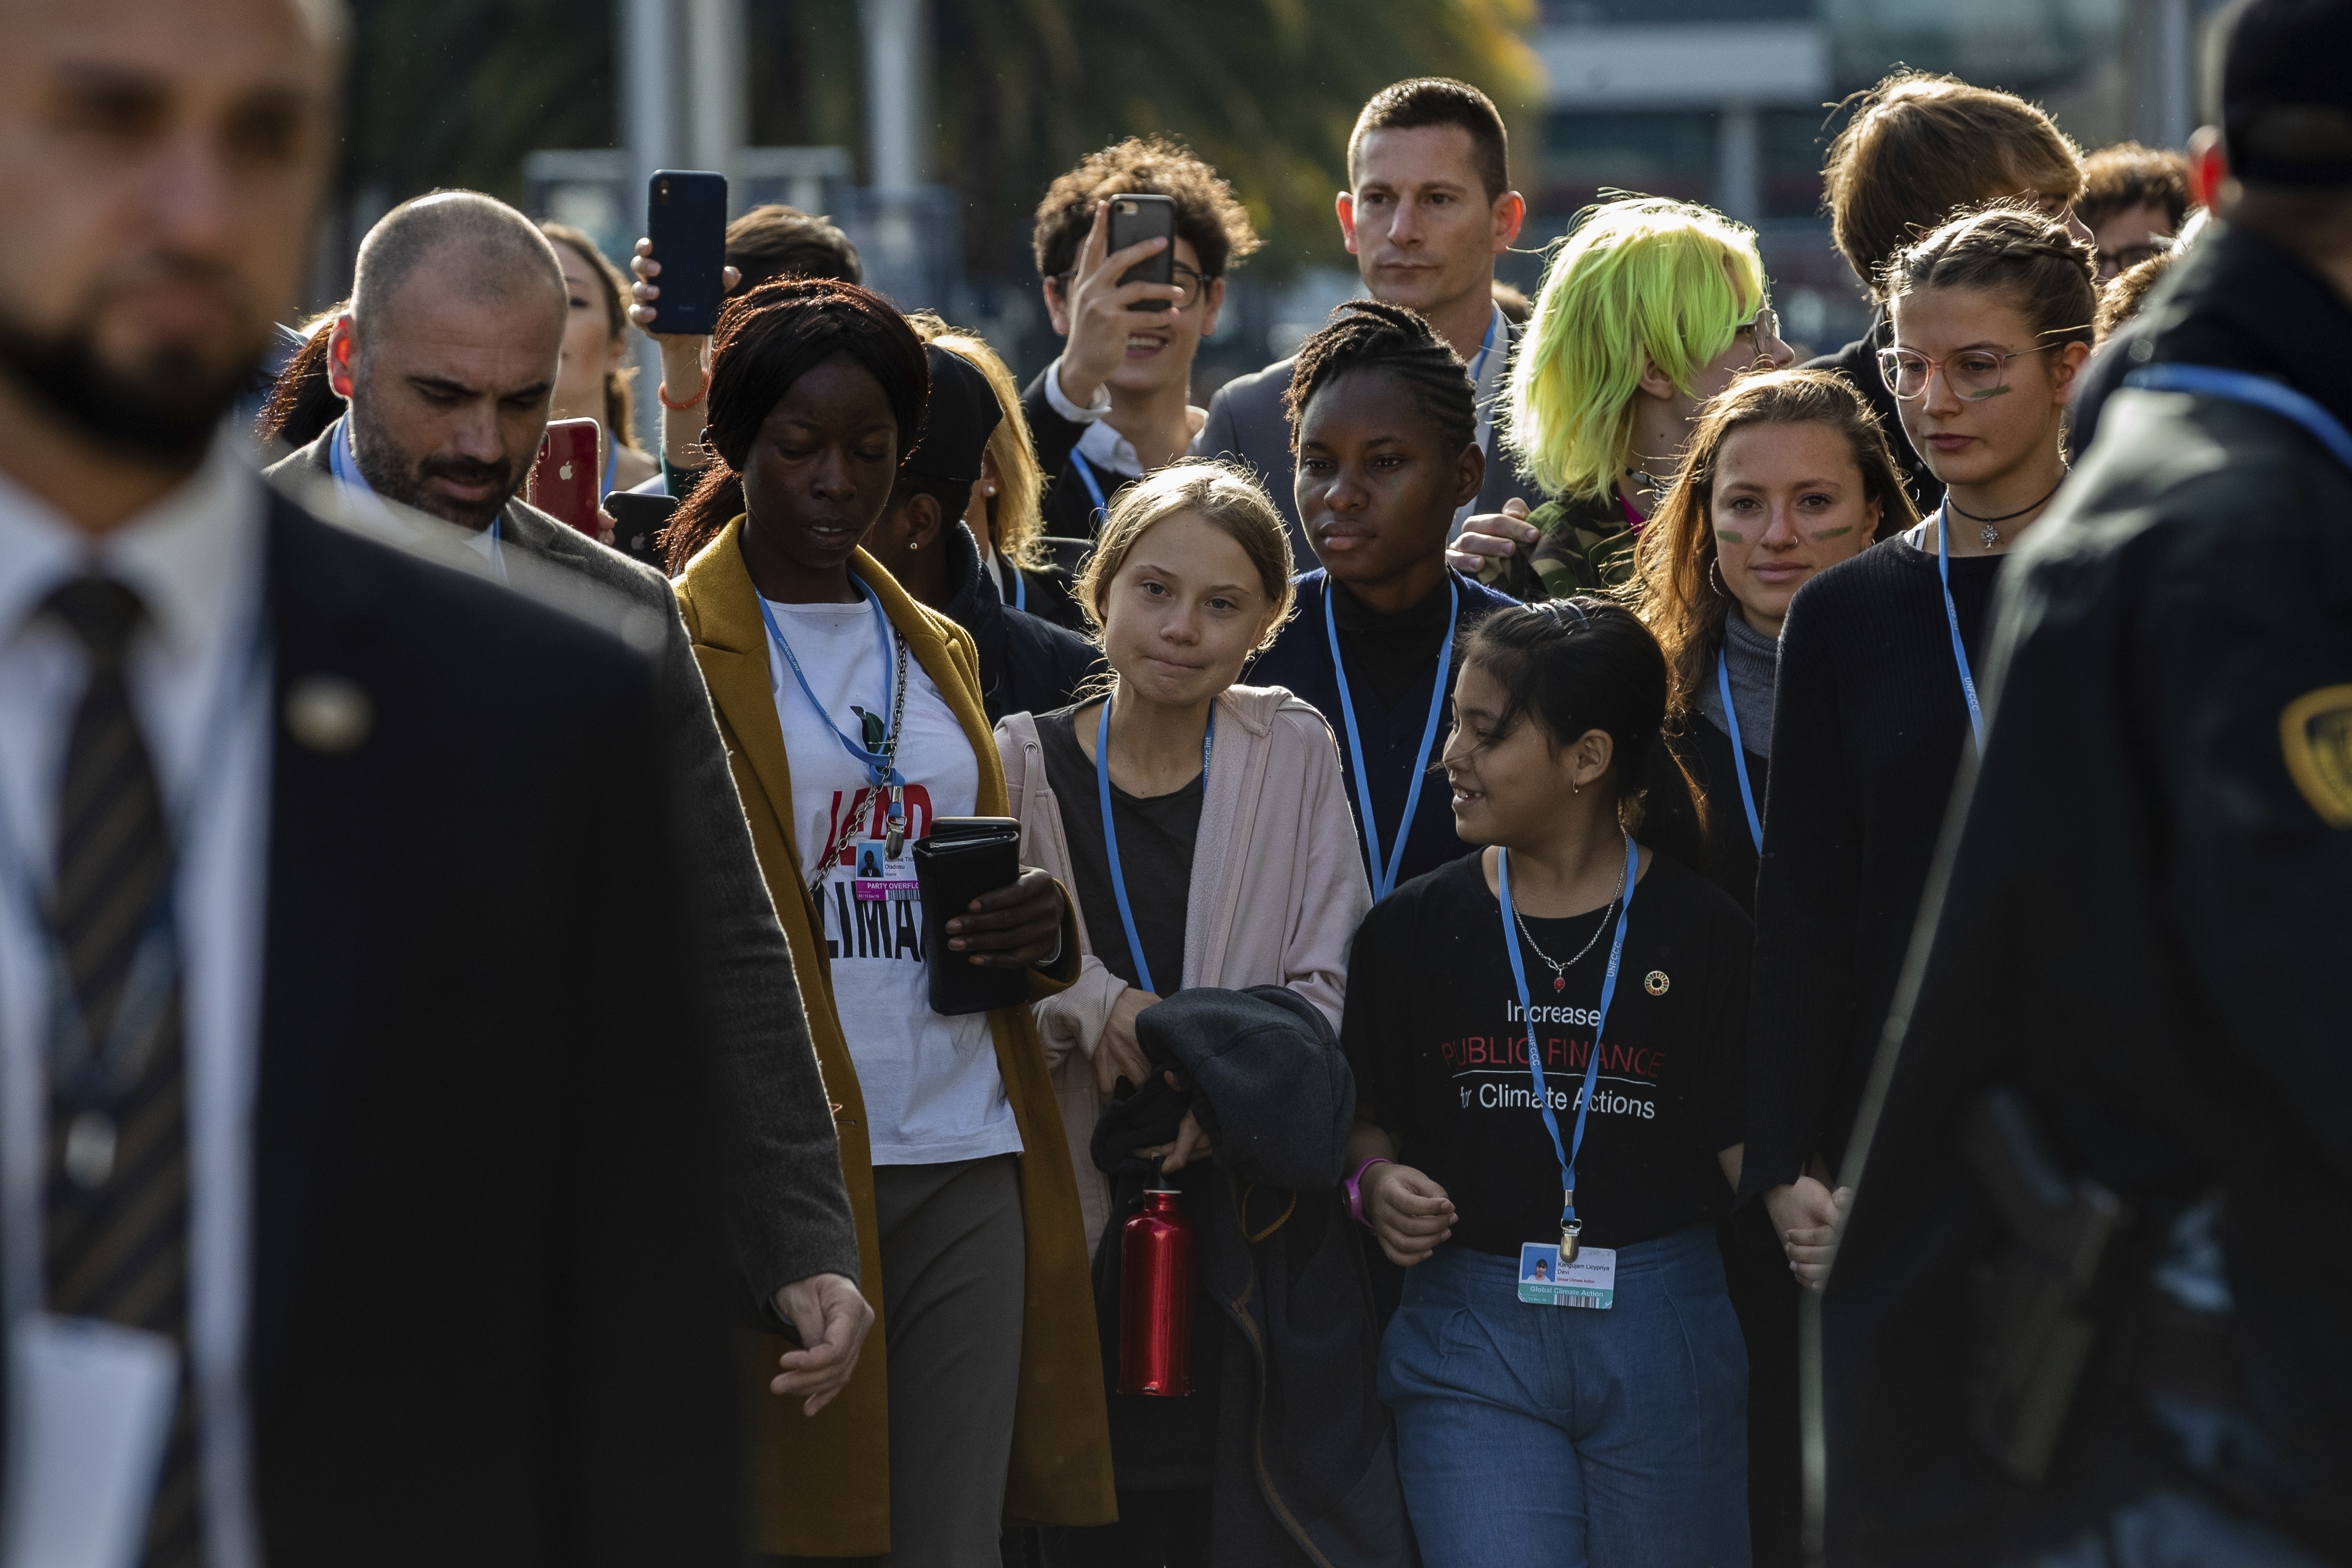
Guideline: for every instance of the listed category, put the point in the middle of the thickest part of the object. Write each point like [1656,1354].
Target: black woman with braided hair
[854,719]
[1385,429]
[1548,1038]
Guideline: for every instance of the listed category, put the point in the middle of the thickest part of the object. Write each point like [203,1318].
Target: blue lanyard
[1738,751]
[1110,833]
[881,769]
[1384,873]
[1020,585]
[2239,386]
[612,460]
[1952,618]
[1094,490]
[1486,347]
[1568,1224]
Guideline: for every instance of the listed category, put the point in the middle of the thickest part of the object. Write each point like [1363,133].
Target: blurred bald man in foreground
[354,1199]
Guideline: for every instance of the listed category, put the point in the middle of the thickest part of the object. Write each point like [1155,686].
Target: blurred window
[1656,153]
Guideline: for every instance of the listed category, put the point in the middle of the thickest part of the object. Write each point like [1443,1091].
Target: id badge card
[89,1409]
[881,875]
[1590,1281]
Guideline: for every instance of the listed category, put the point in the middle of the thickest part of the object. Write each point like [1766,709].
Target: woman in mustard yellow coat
[851,716]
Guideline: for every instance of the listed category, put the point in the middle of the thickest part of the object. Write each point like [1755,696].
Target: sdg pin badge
[2316,734]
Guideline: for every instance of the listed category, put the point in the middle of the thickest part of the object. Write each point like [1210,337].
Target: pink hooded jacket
[1278,889]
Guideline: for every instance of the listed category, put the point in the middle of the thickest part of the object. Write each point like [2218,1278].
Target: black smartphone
[1133,220]
[963,858]
[637,522]
[685,217]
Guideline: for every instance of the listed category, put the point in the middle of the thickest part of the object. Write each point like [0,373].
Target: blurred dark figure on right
[2092,1303]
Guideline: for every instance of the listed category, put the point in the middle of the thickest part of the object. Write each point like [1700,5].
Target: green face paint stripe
[1727,537]
[1833,533]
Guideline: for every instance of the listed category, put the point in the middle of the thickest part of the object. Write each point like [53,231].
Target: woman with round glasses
[1650,309]
[1877,692]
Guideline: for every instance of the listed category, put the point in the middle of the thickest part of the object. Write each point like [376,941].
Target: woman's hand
[1807,1216]
[1017,925]
[1190,1141]
[1119,1054]
[684,361]
[645,291]
[1491,536]
[1411,1214]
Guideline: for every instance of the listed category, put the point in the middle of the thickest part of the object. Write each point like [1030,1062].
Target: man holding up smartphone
[1117,402]
[1427,209]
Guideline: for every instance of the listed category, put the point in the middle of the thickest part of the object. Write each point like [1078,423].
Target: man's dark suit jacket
[489,1298]
[790,1210]
[1246,423]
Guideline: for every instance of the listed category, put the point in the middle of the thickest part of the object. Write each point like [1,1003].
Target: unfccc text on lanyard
[1566,1275]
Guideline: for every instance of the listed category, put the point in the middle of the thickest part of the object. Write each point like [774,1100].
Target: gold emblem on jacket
[2316,732]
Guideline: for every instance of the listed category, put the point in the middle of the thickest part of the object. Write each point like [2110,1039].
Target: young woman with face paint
[1877,698]
[1787,475]
[853,716]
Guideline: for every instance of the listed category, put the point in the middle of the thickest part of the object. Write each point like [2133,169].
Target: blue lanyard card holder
[963,858]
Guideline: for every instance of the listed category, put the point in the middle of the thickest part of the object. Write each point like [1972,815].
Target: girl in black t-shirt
[1528,1432]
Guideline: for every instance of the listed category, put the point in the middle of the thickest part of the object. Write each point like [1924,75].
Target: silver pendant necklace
[1559,969]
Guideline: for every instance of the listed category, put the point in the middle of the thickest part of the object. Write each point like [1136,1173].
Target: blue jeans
[1566,1437]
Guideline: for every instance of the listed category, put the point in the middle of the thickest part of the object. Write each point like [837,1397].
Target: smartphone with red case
[569,473]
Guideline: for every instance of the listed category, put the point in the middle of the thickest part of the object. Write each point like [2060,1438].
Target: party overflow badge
[1589,1281]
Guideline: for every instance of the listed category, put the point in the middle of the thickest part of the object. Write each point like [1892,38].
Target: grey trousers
[954,1259]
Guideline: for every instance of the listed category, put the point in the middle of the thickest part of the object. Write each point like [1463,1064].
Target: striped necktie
[116,1169]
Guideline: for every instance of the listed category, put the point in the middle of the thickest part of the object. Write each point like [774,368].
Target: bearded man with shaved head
[356,1199]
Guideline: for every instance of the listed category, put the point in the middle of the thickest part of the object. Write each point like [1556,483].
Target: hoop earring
[1715,577]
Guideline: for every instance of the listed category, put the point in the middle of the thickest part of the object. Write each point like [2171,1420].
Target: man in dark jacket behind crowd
[2157,986]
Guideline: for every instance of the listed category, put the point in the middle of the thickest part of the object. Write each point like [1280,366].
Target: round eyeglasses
[1973,375]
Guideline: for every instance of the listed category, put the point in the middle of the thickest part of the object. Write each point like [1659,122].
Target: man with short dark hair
[447,360]
[1117,402]
[774,240]
[356,1199]
[2134,199]
[2094,1241]
[1428,207]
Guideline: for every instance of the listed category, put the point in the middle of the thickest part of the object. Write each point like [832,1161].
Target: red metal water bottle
[1157,1283]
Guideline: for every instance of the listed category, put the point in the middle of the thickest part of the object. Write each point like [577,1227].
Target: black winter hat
[2287,94]
[962,415]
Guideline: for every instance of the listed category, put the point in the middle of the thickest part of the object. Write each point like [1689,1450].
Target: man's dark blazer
[489,1299]
[1248,425]
[789,1207]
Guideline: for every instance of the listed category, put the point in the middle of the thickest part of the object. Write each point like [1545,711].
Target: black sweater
[1868,729]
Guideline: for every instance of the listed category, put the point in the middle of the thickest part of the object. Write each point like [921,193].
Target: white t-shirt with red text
[931,1088]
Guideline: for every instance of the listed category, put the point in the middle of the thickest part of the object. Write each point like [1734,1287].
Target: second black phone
[685,217]
[1135,218]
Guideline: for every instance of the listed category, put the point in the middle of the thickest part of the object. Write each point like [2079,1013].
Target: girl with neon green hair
[1650,308]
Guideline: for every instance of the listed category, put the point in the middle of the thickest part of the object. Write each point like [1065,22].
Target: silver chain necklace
[1558,970]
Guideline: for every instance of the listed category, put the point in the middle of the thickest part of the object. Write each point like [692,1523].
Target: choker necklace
[1989,535]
